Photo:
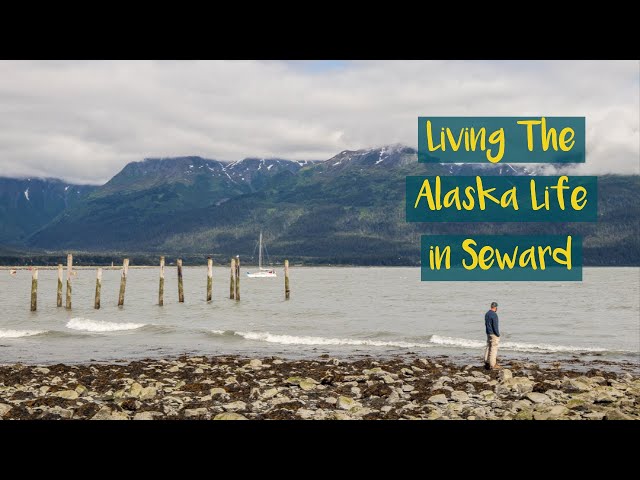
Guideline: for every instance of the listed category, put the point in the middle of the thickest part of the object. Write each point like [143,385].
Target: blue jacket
[491,323]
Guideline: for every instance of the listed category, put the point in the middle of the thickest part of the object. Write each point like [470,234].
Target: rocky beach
[236,388]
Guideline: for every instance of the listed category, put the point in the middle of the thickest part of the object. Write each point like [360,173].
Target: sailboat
[262,272]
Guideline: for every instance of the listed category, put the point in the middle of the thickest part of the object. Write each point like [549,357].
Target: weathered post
[286,280]
[180,287]
[161,289]
[34,289]
[232,285]
[69,267]
[209,278]
[59,296]
[237,278]
[96,303]
[123,281]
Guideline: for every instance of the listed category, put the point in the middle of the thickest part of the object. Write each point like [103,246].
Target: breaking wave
[88,325]
[433,341]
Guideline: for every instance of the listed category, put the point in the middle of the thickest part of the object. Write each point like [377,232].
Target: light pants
[491,350]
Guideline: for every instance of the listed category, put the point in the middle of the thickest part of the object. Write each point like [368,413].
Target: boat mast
[260,252]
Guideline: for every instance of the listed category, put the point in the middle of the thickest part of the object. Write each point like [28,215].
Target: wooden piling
[59,295]
[232,284]
[237,278]
[286,280]
[96,303]
[209,278]
[161,289]
[123,281]
[180,287]
[34,289]
[69,267]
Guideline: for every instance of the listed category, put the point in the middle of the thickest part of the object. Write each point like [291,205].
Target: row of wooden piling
[234,288]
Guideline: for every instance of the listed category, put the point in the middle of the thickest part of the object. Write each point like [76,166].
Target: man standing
[493,338]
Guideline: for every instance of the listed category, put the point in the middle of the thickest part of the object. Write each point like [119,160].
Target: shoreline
[240,387]
[574,362]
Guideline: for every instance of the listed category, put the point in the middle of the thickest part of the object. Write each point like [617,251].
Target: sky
[83,121]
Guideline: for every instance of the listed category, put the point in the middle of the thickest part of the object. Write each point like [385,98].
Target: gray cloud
[83,121]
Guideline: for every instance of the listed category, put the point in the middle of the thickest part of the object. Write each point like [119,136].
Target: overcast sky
[83,121]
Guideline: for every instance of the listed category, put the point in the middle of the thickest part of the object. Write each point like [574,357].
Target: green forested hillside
[346,210]
[29,204]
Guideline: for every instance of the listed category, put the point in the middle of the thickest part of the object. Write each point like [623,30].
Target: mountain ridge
[346,209]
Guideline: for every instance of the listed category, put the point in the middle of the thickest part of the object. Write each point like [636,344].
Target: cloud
[84,120]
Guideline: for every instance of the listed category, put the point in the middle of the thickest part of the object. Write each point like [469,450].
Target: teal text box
[432,192]
[434,247]
[505,140]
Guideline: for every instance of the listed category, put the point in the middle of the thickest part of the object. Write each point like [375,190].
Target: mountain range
[348,209]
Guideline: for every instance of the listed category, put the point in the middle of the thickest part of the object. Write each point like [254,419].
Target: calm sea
[339,311]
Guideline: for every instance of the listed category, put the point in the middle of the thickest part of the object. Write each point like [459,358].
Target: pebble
[558,410]
[307,384]
[393,397]
[135,390]
[270,393]
[148,393]
[230,416]
[294,380]
[536,397]
[195,412]
[440,398]
[305,413]
[105,413]
[346,403]
[4,408]
[459,396]
[576,386]
[144,416]
[239,405]
[68,394]
[617,415]
[594,415]
[603,397]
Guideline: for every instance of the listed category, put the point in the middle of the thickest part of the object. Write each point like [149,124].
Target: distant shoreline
[244,266]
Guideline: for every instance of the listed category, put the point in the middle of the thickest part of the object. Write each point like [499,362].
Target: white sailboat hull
[262,274]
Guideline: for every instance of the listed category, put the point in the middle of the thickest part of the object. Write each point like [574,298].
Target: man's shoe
[497,367]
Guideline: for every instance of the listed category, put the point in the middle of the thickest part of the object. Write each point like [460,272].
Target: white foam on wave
[19,333]
[89,325]
[515,346]
[306,340]
[434,340]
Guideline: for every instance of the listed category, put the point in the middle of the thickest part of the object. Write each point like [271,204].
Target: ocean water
[334,310]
